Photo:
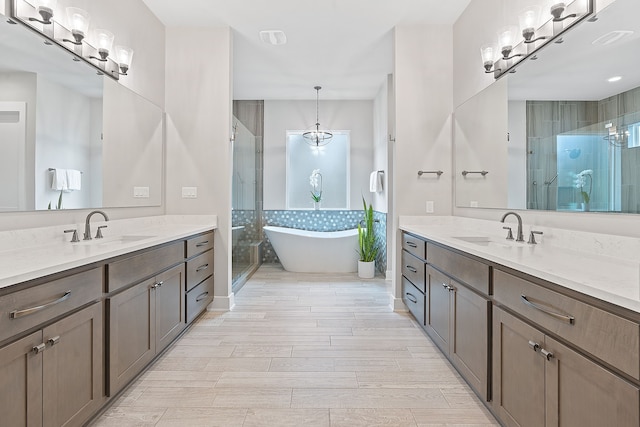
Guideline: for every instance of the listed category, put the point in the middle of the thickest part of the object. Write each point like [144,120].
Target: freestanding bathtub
[304,251]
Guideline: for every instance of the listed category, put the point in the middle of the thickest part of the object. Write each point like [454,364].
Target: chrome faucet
[520,237]
[87,226]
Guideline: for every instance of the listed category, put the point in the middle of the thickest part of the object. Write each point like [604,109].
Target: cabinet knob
[39,348]
[53,341]
[546,354]
[534,345]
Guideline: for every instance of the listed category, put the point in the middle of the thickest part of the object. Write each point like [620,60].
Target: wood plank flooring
[301,350]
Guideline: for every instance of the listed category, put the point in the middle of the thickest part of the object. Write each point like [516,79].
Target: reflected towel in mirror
[74,180]
[59,179]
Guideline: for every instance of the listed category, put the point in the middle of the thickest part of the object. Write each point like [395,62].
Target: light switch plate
[189,192]
[141,192]
[430,206]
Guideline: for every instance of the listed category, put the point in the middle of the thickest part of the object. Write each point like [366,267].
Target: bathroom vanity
[86,320]
[544,334]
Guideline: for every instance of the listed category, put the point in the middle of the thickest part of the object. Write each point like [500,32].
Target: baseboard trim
[221,303]
[397,305]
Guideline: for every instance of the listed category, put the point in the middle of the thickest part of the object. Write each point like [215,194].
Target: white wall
[380,146]
[423,125]
[280,116]
[478,22]
[198,150]
[133,23]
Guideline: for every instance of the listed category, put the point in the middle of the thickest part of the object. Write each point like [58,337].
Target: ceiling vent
[612,37]
[274,37]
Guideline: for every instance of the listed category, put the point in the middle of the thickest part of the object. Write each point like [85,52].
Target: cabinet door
[580,393]
[518,371]
[132,332]
[169,300]
[470,337]
[21,382]
[438,312]
[73,368]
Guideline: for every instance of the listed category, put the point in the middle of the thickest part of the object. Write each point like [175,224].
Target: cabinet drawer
[605,335]
[31,307]
[199,268]
[413,269]
[199,244]
[138,267]
[414,299]
[414,245]
[466,270]
[198,298]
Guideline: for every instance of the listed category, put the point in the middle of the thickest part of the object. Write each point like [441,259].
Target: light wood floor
[301,350]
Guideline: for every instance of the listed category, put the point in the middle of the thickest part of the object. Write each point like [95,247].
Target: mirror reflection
[573,124]
[69,138]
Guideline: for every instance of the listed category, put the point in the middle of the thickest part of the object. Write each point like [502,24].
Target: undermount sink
[485,241]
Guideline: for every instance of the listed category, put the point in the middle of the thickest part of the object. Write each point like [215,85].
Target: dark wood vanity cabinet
[414,289]
[454,314]
[199,283]
[54,375]
[144,318]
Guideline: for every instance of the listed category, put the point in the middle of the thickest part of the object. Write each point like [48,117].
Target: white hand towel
[74,179]
[375,182]
[59,179]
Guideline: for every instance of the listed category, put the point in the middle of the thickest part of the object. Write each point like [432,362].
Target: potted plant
[367,247]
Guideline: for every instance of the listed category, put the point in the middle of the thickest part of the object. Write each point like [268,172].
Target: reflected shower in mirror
[573,124]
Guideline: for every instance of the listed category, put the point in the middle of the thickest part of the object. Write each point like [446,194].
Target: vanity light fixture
[317,137]
[529,22]
[506,42]
[105,43]
[511,47]
[78,23]
[72,34]
[489,54]
[557,9]
[124,55]
[45,10]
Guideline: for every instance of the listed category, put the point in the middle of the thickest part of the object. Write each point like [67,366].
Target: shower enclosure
[246,230]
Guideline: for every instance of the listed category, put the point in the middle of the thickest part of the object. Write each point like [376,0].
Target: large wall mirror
[563,132]
[69,138]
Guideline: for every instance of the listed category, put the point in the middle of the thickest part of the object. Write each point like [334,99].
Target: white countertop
[602,266]
[36,252]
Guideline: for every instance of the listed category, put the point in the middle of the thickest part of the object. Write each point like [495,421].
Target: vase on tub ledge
[316,205]
[585,206]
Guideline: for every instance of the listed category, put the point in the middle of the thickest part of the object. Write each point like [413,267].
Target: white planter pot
[366,270]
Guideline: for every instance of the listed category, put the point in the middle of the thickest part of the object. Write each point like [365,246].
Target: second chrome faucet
[520,235]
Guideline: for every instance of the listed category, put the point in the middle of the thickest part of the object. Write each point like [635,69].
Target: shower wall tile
[324,220]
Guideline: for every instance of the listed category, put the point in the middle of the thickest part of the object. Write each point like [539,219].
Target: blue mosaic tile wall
[325,220]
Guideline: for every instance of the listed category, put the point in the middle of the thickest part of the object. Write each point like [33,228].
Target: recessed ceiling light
[614,79]
[612,37]
[274,37]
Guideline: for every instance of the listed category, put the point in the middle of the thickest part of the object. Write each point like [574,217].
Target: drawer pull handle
[39,348]
[202,296]
[534,345]
[53,341]
[410,296]
[411,244]
[19,313]
[201,244]
[547,354]
[157,285]
[411,269]
[569,319]
[202,267]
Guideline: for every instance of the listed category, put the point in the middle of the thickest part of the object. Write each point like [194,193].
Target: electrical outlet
[189,192]
[141,192]
[429,206]
[473,204]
